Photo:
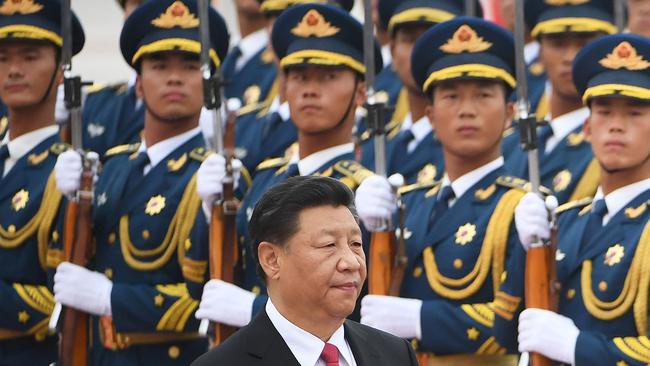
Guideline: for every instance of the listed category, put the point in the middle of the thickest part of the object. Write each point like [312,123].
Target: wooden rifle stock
[223,230]
[541,285]
[73,348]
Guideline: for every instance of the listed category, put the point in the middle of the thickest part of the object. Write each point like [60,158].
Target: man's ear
[586,127]
[269,256]
[360,97]
[510,115]
[138,87]
[428,111]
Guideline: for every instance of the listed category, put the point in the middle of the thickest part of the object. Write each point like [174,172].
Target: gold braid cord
[179,230]
[40,224]
[635,288]
[492,255]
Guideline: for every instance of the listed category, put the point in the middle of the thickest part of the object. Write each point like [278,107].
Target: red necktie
[330,355]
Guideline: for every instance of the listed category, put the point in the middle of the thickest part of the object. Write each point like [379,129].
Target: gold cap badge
[176,15]
[11,7]
[465,39]
[314,24]
[624,56]
[566,2]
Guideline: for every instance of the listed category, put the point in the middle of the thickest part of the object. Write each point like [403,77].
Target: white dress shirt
[619,198]
[386,56]
[160,150]
[250,46]
[23,144]
[420,129]
[467,181]
[280,108]
[563,125]
[311,163]
[306,347]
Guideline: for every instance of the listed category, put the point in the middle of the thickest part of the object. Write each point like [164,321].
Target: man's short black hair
[275,217]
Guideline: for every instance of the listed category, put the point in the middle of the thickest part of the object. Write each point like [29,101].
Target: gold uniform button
[11,229]
[111,238]
[256,290]
[145,234]
[40,337]
[458,263]
[570,293]
[417,272]
[602,286]
[174,352]
[55,235]
[187,244]
[109,273]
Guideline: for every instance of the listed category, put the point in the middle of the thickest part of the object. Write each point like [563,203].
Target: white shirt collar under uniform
[563,125]
[306,347]
[467,181]
[160,150]
[250,46]
[619,198]
[311,163]
[23,144]
[281,108]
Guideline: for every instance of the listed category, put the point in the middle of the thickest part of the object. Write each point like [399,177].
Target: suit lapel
[365,352]
[569,249]
[266,343]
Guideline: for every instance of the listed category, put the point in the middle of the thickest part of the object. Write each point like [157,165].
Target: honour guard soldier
[249,67]
[458,231]
[412,144]
[563,27]
[265,130]
[638,16]
[112,114]
[320,48]
[30,70]
[147,222]
[602,242]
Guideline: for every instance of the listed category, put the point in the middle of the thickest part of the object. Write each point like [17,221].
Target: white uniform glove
[376,201]
[395,315]
[225,303]
[83,289]
[67,171]
[549,334]
[209,180]
[531,218]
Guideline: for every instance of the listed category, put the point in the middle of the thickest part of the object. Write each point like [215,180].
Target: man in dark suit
[308,248]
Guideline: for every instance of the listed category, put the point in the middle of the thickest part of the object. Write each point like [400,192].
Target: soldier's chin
[172,118]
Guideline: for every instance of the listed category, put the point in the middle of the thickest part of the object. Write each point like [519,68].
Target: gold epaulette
[417,186]
[508,132]
[573,204]
[200,154]
[122,149]
[252,108]
[119,88]
[520,184]
[272,163]
[59,148]
[353,173]
[4,123]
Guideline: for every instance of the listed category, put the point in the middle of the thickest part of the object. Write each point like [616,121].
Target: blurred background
[101,60]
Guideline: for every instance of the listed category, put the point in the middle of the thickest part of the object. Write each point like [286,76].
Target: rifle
[540,277]
[470,8]
[223,234]
[619,14]
[73,340]
[387,257]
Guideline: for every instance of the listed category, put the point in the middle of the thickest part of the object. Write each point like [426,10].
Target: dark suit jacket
[259,343]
